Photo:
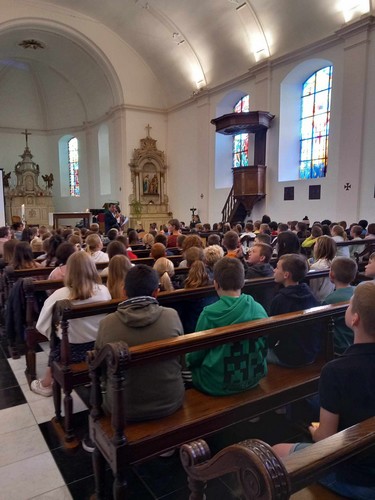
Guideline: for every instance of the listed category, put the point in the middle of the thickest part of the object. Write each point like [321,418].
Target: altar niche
[148,201]
[27,201]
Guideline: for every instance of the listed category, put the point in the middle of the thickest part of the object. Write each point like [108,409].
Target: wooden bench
[120,444]
[261,474]
[181,300]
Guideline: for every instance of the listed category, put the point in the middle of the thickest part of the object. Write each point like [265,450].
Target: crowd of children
[225,257]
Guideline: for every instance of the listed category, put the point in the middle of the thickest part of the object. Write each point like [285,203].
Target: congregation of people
[223,255]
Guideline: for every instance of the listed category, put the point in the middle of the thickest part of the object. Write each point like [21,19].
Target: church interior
[114,101]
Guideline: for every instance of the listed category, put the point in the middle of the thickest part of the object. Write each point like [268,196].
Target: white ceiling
[182,41]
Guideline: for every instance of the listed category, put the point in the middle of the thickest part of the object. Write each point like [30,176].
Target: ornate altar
[149,201]
[27,201]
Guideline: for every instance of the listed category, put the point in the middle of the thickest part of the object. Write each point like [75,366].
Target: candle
[23,211]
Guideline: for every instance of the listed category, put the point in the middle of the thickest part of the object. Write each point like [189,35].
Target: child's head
[356,231]
[260,253]
[197,275]
[325,248]
[158,250]
[370,267]
[361,312]
[263,238]
[343,270]
[212,254]
[229,274]
[231,240]
[291,268]
[141,281]
[338,230]
[316,231]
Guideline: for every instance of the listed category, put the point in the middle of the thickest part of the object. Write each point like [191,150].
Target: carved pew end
[260,473]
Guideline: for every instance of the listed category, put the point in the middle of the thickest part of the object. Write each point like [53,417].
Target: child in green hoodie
[238,366]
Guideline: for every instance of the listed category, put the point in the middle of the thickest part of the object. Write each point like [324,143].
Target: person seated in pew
[23,257]
[118,268]
[324,253]
[257,266]
[370,267]
[342,274]
[64,251]
[237,366]
[165,269]
[82,286]
[94,246]
[157,391]
[211,255]
[189,311]
[158,251]
[300,346]
[347,397]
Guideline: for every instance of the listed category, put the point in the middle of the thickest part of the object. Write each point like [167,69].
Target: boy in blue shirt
[343,272]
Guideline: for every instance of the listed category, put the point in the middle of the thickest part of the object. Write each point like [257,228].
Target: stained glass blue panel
[315,118]
[73,160]
[241,141]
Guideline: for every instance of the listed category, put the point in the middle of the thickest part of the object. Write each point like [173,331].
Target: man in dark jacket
[300,346]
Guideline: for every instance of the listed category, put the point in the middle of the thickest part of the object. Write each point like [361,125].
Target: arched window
[315,117]
[241,141]
[73,162]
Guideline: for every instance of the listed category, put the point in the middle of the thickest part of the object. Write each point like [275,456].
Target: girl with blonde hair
[118,268]
[94,247]
[324,253]
[165,269]
[82,286]
[339,235]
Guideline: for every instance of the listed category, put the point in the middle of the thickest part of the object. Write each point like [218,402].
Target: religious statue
[6,178]
[48,179]
[146,184]
[154,185]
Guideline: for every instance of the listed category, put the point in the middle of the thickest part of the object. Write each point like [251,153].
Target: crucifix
[26,134]
[192,210]
[148,130]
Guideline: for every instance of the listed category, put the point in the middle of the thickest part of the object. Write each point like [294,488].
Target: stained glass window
[241,141]
[73,160]
[315,117]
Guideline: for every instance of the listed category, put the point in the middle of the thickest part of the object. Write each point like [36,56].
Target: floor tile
[18,417]
[7,378]
[21,444]
[33,476]
[11,397]
[43,408]
[57,494]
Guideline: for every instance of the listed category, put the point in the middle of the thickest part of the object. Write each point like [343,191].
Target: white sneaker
[37,387]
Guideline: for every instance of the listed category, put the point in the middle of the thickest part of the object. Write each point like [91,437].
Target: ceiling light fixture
[353,8]
[32,44]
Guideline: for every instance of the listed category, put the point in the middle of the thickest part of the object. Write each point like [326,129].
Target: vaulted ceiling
[187,44]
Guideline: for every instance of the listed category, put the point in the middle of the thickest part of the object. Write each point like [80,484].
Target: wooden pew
[181,300]
[262,474]
[120,444]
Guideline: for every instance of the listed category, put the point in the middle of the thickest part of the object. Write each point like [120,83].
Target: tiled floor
[34,465]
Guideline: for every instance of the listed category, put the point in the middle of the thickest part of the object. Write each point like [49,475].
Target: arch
[290,115]
[85,43]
